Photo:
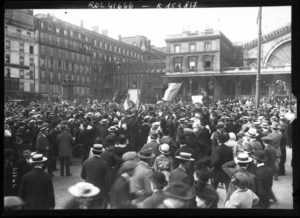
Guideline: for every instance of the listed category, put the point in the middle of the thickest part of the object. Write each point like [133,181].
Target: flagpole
[258,59]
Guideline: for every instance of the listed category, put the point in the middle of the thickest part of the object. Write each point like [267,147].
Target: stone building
[230,70]
[21,72]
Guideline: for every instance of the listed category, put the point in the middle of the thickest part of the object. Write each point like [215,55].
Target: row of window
[192,47]
[192,63]
[20,62]
[59,77]
[85,39]
[20,47]
[18,31]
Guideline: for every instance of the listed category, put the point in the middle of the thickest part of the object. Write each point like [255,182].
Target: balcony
[19,36]
[253,70]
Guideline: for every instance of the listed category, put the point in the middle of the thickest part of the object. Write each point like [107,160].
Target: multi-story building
[209,61]
[21,54]
[76,62]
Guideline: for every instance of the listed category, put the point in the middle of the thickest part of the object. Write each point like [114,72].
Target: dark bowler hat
[259,155]
[275,125]
[179,190]
[146,154]
[128,166]
[159,179]
[267,139]
[224,137]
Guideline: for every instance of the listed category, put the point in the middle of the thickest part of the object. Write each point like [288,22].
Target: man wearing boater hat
[141,186]
[96,171]
[240,164]
[181,173]
[36,187]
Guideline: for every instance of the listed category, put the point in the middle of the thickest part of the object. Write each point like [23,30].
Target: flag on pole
[132,100]
[171,92]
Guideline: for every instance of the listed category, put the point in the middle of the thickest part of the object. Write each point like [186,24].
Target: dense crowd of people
[154,156]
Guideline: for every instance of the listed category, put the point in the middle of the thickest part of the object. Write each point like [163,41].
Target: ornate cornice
[268,37]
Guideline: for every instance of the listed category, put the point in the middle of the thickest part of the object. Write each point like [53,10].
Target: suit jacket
[276,138]
[120,193]
[264,182]
[154,200]
[256,146]
[64,142]
[221,155]
[179,174]
[23,168]
[96,171]
[42,145]
[37,190]
[140,183]
[270,157]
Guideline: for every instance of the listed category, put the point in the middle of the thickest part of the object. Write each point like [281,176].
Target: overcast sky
[238,24]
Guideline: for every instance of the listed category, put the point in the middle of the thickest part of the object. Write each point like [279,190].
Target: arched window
[246,87]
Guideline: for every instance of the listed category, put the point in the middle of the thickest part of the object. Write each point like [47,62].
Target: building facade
[210,62]
[21,54]
[76,62]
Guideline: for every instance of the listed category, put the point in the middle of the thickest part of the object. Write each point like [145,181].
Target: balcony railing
[19,36]
[254,69]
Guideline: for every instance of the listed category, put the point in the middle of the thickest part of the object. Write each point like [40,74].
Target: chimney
[96,29]
[81,23]
[104,32]
[120,38]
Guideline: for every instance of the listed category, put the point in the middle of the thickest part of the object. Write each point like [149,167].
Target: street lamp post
[258,58]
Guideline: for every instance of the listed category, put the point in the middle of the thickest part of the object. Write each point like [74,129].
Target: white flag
[171,92]
[132,100]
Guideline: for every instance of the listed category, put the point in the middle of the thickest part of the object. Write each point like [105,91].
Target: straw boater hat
[252,133]
[12,202]
[37,158]
[243,157]
[164,149]
[104,121]
[220,124]
[98,148]
[146,154]
[181,120]
[112,129]
[84,190]
[185,156]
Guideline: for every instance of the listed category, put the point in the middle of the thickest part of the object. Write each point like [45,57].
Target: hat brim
[247,134]
[182,158]
[39,161]
[246,161]
[145,157]
[75,191]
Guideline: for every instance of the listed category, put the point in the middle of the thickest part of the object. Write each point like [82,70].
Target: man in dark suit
[36,186]
[96,171]
[215,136]
[263,180]
[158,181]
[43,146]
[64,141]
[222,154]
[181,172]
[85,138]
[23,164]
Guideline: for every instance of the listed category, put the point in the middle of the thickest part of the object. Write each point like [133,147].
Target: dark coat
[270,157]
[37,190]
[264,182]
[222,155]
[42,145]
[120,194]
[154,200]
[64,142]
[179,174]
[23,168]
[153,145]
[96,171]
